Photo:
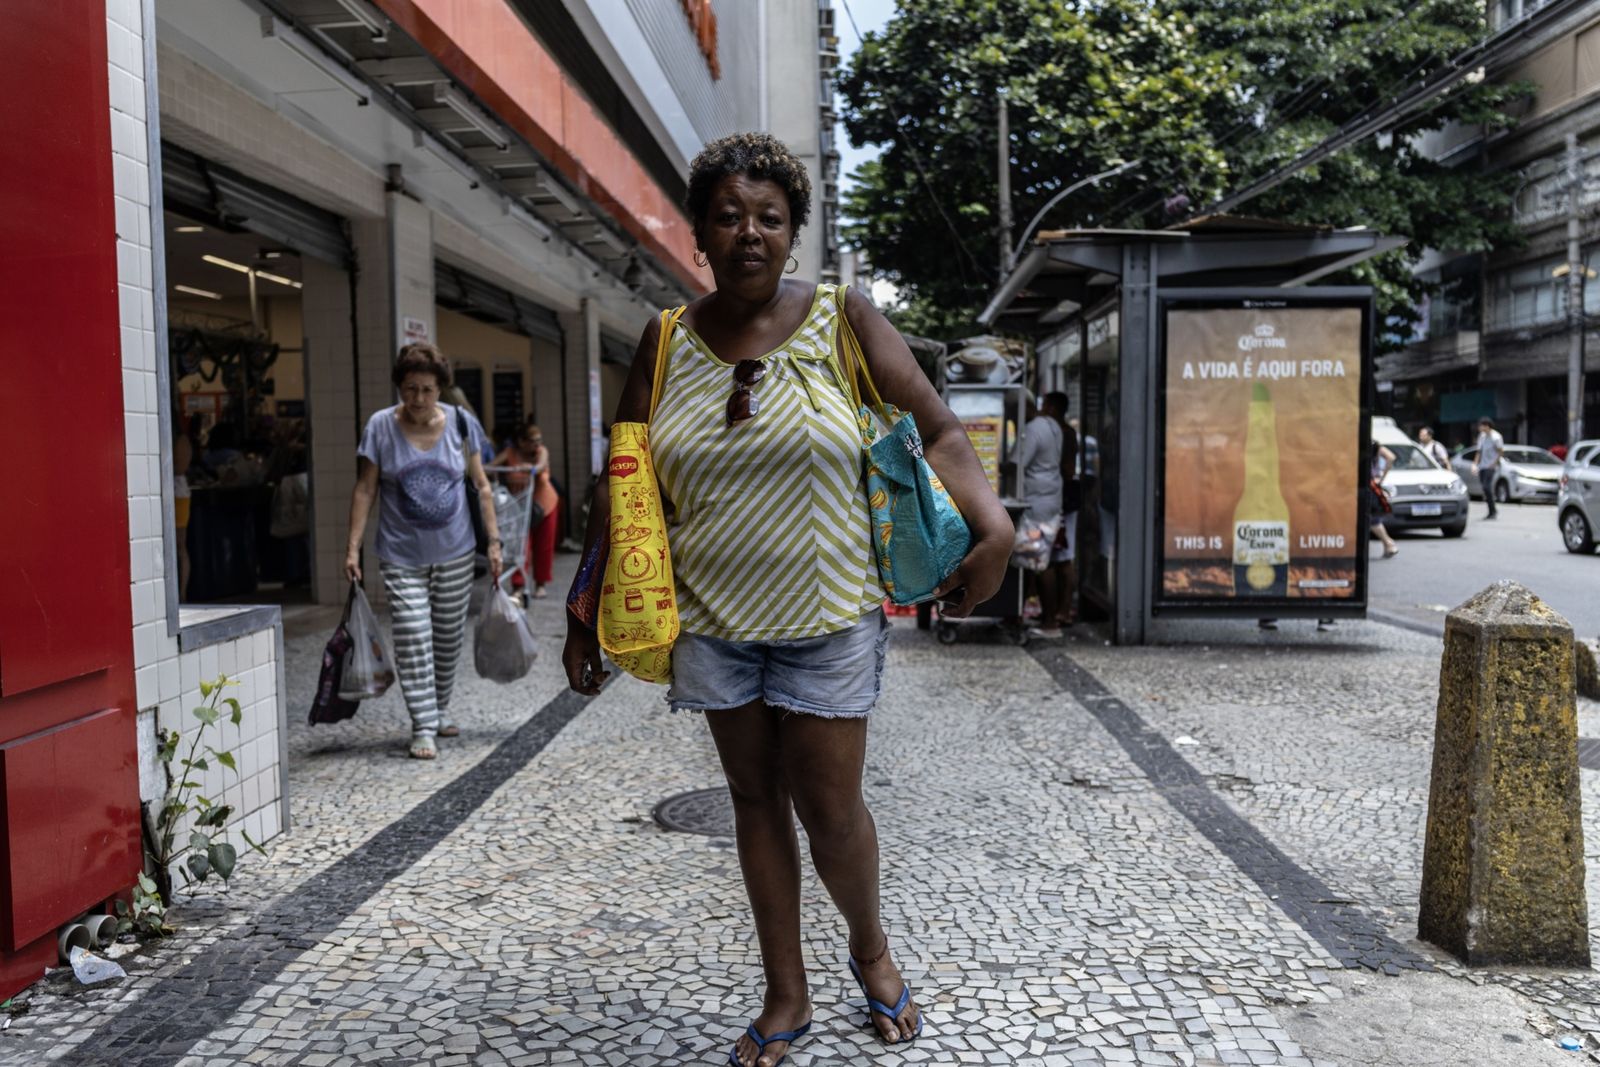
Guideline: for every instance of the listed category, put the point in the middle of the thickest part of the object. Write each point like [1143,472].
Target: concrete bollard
[1583,654]
[1502,870]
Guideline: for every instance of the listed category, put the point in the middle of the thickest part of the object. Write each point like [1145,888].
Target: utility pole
[1004,164]
[1577,278]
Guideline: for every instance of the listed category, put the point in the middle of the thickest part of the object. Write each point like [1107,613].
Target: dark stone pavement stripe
[1350,935]
[159,1029]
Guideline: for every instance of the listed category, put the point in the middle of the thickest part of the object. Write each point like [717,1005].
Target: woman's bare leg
[823,761]
[748,742]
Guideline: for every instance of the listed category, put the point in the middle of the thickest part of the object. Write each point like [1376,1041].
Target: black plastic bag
[504,648]
[327,705]
[368,667]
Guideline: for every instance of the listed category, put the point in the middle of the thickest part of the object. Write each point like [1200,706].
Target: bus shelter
[1224,406]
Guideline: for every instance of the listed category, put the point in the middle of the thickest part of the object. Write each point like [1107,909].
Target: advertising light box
[1263,440]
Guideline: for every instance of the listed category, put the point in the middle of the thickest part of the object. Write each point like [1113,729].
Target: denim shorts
[836,676]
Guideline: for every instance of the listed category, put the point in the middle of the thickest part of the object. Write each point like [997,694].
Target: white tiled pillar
[167,681]
[580,410]
[335,421]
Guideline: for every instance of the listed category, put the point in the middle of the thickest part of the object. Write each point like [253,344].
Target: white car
[1579,504]
[1423,494]
[1525,474]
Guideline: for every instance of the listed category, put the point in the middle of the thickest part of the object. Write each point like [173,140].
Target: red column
[69,793]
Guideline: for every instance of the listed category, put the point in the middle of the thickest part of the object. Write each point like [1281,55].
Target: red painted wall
[486,46]
[69,791]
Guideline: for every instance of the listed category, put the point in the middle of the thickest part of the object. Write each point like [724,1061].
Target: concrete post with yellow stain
[1502,870]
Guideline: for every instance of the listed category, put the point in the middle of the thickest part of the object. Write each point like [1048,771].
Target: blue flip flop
[791,1036]
[878,1007]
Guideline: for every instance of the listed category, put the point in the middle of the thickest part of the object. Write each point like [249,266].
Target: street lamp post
[1062,195]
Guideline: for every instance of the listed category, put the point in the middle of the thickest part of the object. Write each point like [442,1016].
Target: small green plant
[147,916]
[206,852]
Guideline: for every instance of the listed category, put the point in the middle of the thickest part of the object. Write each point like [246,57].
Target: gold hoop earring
[794,268]
[699,258]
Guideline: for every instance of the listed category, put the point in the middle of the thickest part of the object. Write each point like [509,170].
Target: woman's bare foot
[884,984]
[777,1017]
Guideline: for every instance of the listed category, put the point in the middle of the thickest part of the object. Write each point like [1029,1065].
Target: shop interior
[240,433]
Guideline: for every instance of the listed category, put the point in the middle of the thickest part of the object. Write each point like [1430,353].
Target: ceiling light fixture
[443,94]
[191,290]
[374,24]
[313,54]
[218,261]
[280,279]
[188,229]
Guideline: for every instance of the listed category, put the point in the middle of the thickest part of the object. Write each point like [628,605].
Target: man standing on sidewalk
[1490,446]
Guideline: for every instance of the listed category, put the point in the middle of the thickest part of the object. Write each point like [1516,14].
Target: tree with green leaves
[1209,94]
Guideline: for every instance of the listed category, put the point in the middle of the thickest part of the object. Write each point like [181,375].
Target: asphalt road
[1431,575]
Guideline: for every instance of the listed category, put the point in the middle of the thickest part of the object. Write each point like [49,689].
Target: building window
[1527,295]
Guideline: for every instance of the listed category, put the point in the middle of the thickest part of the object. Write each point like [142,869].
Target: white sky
[870,15]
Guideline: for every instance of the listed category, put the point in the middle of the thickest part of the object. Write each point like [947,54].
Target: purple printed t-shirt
[422,498]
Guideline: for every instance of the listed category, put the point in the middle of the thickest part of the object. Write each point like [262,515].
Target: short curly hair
[419,357]
[755,155]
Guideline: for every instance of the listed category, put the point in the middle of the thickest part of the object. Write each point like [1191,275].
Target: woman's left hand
[496,560]
[978,577]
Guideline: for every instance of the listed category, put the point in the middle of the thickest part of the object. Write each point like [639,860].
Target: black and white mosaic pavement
[1092,855]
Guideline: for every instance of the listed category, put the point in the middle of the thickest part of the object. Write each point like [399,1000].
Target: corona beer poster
[1262,441]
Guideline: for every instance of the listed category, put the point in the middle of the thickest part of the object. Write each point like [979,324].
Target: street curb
[1403,623]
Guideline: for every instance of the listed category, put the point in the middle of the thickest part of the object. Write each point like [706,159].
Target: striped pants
[429,608]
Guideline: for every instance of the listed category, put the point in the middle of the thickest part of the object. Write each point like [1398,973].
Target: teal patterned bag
[919,534]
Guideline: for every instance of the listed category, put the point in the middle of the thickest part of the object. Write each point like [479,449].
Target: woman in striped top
[759,457]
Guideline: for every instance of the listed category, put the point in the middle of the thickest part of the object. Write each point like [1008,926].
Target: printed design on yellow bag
[638,617]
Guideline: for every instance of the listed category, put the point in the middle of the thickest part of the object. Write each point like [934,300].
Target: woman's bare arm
[946,447]
[361,498]
[583,646]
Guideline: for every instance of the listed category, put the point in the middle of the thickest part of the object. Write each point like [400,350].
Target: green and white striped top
[767,520]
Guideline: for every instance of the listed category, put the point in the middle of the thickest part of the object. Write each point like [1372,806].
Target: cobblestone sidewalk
[1199,854]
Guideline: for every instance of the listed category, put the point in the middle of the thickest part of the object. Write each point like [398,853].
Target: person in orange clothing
[527,453]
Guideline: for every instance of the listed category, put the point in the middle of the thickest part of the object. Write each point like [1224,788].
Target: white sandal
[424,748]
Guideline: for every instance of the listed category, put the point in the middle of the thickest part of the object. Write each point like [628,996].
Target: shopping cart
[513,512]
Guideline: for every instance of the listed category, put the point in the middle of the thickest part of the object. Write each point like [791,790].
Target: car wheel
[1575,532]
[1455,529]
[1502,492]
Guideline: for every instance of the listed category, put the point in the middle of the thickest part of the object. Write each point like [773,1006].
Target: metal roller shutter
[196,185]
[465,292]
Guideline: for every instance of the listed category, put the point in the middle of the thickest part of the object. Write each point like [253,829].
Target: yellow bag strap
[669,321]
[856,360]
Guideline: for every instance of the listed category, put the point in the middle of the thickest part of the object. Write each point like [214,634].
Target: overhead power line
[1416,101]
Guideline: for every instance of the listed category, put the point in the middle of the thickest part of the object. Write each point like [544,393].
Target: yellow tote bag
[638,617]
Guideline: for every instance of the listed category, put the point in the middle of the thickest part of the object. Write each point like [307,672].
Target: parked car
[1422,494]
[1525,474]
[1579,454]
[1578,506]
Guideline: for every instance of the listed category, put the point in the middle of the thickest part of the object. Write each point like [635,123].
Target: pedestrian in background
[1378,500]
[757,446]
[1062,576]
[1433,449]
[1039,458]
[414,459]
[1490,447]
[529,459]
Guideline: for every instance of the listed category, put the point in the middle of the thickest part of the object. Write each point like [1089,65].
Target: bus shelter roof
[1068,270]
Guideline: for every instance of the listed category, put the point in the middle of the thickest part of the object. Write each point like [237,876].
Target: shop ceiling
[382,65]
[206,262]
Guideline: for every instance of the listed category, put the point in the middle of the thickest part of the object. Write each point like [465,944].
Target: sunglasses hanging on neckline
[744,405]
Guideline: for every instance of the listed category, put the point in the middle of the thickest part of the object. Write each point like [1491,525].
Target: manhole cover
[1589,753]
[700,811]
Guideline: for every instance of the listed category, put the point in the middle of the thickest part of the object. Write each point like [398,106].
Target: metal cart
[993,414]
[513,512]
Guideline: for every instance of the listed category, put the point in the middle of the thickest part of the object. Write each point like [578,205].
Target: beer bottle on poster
[1261,518]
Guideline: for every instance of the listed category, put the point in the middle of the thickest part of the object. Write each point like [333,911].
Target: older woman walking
[528,458]
[414,458]
[758,452]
